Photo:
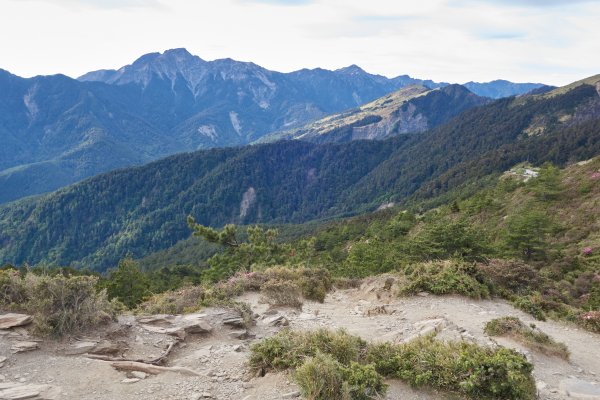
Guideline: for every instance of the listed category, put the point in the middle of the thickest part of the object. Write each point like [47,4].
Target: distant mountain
[143,209]
[500,88]
[56,130]
[412,109]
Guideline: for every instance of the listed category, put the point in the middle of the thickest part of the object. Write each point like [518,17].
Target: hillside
[140,210]
[56,130]
[412,109]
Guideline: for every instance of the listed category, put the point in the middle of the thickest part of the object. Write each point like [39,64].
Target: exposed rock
[81,347]
[577,389]
[138,374]
[236,322]
[176,325]
[106,347]
[20,347]
[291,395]
[12,320]
[130,380]
[2,361]
[18,391]
[239,334]
[278,320]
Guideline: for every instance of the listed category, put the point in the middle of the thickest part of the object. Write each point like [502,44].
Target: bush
[510,276]
[528,335]
[444,277]
[363,381]
[531,305]
[288,349]
[590,320]
[323,378]
[12,288]
[60,304]
[347,283]
[464,368]
[173,302]
[472,370]
[282,293]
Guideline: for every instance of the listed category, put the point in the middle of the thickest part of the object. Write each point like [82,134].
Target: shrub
[527,335]
[465,368]
[282,293]
[288,349]
[12,288]
[363,381]
[60,304]
[347,283]
[444,277]
[510,276]
[472,370]
[590,320]
[173,302]
[321,378]
[530,305]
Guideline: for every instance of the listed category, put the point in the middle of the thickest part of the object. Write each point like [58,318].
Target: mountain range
[143,209]
[57,130]
[412,109]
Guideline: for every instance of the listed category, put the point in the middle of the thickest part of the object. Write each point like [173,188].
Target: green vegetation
[530,336]
[142,210]
[61,305]
[343,366]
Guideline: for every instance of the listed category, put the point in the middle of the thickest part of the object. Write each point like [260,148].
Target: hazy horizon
[552,42]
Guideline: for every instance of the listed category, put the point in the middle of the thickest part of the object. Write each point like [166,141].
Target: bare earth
[216,361]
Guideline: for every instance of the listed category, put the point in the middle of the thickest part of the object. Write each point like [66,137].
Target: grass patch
[444,277]
[332,363]
[61,305]
[530,336]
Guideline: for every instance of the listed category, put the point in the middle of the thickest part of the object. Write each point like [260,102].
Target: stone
[138,374]
[12,320]
[239,334]
[236,322]
[278,320]
[423,294]
[578,389]
[2,361]
[430,325]
[291,395]
[20,347]
[175,325]
[130,380]
[18,391]
[80,347]
[105,347]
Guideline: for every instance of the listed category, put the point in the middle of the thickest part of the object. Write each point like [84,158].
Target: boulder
[20,347]
[176,325]
[11,320]
[278,320]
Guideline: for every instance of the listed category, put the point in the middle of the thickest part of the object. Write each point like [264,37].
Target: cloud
[280,2]
[104,4]
[538,3]
[499,35]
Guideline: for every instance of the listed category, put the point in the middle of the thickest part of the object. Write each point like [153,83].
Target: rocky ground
[203,356]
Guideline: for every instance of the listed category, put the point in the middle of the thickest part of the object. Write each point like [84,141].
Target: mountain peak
[351,70]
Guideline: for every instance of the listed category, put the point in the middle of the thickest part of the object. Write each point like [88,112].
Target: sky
[550,41]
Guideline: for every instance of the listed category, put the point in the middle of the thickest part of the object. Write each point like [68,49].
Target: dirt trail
[219,356]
